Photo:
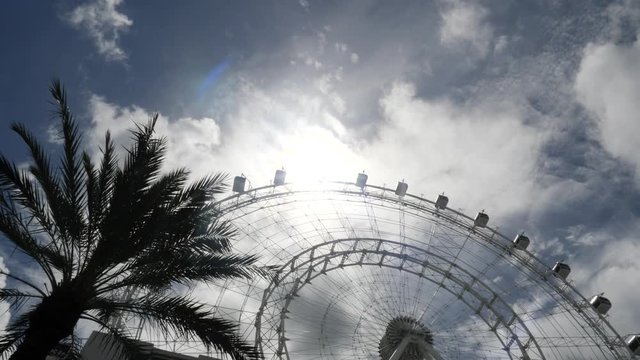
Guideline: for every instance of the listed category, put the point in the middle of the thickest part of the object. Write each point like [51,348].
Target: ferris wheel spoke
[432,237]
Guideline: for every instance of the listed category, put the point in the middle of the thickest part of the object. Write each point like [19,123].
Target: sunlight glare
[316,154]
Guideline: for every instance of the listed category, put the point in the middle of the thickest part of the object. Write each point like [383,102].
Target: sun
[315,153]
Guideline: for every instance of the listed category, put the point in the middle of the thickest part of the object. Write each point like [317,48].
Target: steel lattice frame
[351,259]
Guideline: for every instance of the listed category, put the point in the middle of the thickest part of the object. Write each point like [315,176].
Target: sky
[526,109]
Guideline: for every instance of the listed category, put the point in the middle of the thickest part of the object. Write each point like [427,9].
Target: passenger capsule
[361,182]
[601,304]
[238,184]
[401,189]
[481,220]
[561,269]
[633,342]
[442,202]
[279,178]
[521,242]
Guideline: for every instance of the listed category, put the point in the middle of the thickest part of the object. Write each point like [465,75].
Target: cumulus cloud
[265,134]
[53,135]
[465,23]
[608,84]
[434,145]
[104,24]
[483,155]
[189,141]
[287,129]
[615,272]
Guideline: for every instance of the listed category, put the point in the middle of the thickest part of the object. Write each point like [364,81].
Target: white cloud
[264,135]
[435,146]
[53,135]
[354,58]
[106,116]
[285,128]
[464,23]
[608,84]
[483,156]
[102,21]
[614,272]
[326,85]
[189,140]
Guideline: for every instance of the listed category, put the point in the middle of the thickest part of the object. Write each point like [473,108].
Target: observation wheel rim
[595,320]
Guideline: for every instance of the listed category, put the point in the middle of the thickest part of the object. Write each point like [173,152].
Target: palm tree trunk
[36,346]
[53,320]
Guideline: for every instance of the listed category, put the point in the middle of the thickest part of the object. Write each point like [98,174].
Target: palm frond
[216,238]
[71,166]
[214,243]
[141,168]
[14,229]
[107,174]
[162,271]
[24,282]
[13,335]
[48,211]
[145,157]
[22,191]
[45,176]
[203,190]
[157,217]
[72,220]
[187,319]
[92,190]
[99,190]
[150,220]
[16,298]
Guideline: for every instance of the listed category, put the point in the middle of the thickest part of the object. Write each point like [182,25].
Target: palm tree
[96,229]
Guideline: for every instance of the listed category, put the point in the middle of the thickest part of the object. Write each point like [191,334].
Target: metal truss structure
[354,258]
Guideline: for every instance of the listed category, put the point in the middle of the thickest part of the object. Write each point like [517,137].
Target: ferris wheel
[368,272]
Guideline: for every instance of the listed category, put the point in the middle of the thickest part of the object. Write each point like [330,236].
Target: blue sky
[527,109]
